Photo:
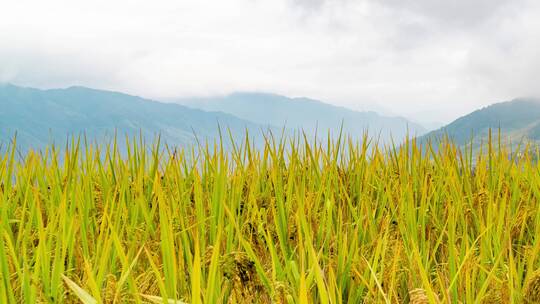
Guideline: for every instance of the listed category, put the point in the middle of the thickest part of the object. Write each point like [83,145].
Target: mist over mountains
[40,117]
[309,115]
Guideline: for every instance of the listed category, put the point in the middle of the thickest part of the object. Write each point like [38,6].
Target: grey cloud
[460,13]
[310,4]
[506,72]
[453,13]
[316,5]
[428,56]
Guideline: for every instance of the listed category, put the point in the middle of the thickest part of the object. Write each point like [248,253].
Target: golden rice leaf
[84,296]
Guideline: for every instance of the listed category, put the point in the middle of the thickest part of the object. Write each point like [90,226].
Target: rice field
[294,222]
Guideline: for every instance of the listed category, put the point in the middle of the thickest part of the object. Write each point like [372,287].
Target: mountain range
[40,117]
[308,114]
[518,122]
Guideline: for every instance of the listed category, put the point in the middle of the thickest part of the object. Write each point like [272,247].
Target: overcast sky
[429,60]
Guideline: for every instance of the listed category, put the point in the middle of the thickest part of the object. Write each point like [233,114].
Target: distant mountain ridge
[40,117]
[307,114]
[518,120]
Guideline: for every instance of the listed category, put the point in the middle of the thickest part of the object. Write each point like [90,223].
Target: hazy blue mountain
[518,120]
[307,114]
[44,116]
[431,125]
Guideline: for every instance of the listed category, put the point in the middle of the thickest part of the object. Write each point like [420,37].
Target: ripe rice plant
[294,222]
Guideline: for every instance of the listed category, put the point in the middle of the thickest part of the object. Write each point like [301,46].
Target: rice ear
[419,296]
[531,293]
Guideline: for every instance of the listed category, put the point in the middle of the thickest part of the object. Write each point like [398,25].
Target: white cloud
[429,59]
